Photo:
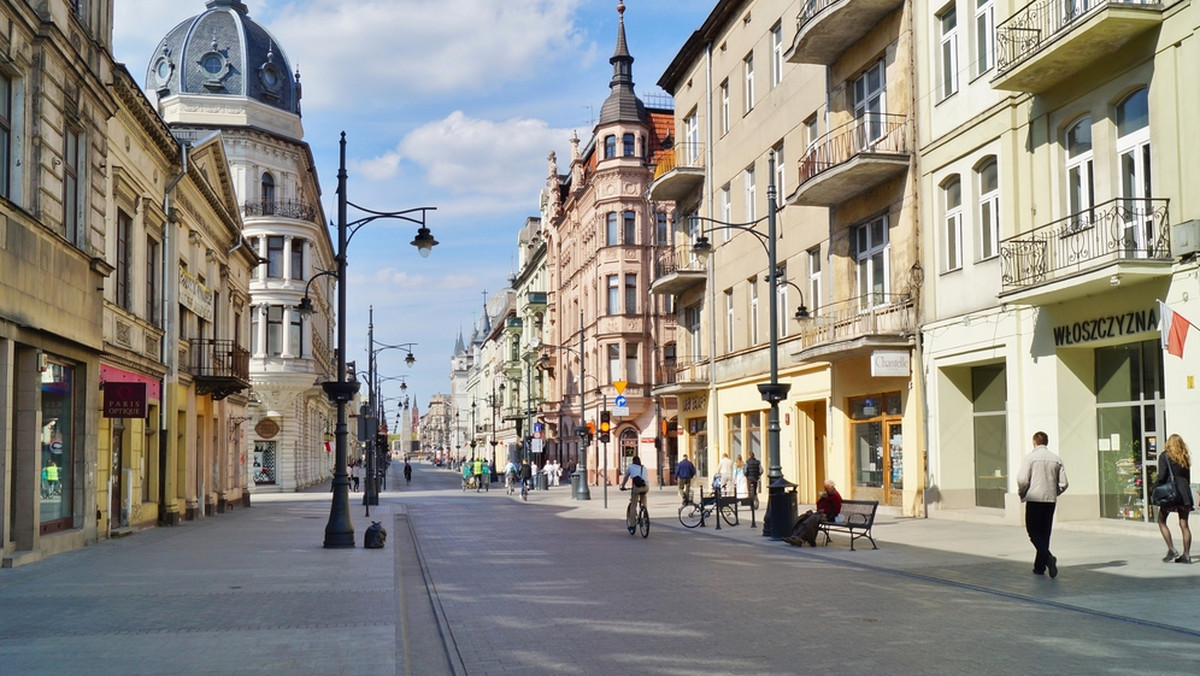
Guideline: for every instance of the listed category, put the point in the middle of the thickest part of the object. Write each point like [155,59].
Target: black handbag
[1166,493]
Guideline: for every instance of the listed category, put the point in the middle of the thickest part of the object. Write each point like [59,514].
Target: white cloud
[505,159]
[365,51]
[378,168]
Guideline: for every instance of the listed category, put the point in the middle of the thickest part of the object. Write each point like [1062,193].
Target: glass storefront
[990,398]
[58,447]
[1129,409]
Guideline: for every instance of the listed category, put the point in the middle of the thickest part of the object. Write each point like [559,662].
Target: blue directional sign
[619,401]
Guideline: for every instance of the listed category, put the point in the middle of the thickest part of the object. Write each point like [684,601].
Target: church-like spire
[459,347]
[622,105]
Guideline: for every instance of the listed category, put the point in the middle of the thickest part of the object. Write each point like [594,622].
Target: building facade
[221,71]
[1056,174]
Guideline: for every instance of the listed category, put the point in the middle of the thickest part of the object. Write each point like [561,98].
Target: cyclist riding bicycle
[635,473]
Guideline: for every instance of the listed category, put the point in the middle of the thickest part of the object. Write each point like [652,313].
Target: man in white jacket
[1040,481]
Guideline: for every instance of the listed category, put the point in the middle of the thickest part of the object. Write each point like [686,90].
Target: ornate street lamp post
[339,532]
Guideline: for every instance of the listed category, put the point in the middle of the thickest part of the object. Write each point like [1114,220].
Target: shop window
[1129,417]
[58,446]
[989,395]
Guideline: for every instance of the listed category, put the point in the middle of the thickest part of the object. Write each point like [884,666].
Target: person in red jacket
[829,505]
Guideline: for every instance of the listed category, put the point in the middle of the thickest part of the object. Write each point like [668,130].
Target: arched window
[629,147]
[987,177]
[1133,155]
[952,220]
[1080,172]
[268,194]
[610,146]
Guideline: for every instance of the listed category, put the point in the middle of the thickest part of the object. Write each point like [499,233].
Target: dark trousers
[1039,518]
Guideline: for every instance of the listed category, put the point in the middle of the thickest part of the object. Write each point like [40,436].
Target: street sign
[620,411]
[620,386]
[620,402]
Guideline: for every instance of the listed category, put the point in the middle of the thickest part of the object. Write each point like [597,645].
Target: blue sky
[446,103]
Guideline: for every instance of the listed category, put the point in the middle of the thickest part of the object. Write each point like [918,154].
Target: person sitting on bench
[829,505]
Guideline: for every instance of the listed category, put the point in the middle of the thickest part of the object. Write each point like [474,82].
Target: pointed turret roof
[622,105]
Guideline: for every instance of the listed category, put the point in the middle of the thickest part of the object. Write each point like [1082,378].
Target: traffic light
[591,431]
[605,426]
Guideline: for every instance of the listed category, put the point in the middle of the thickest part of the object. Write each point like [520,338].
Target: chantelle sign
[1103,328]
[889,364]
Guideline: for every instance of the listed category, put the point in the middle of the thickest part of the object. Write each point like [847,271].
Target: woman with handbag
[1175,466]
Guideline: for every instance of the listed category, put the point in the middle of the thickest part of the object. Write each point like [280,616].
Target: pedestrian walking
[1176,465]
[407,472]
[724,472]
[753,472]
[685,471]
[1041,479]
[354,476]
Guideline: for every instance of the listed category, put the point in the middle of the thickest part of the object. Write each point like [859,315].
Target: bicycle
[525,490]
[693,514]
[642,523]
[508,483]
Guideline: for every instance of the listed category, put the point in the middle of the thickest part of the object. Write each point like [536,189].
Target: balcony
[678,270]
[825,29]
[681,375]
[854,158]
[679,173]
[512,323]
[1119,241]
[536,300]
[857,326]
[218,367]
[300,211]
[1048,41]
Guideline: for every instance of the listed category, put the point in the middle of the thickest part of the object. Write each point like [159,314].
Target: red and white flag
[1174,329]
[328,446]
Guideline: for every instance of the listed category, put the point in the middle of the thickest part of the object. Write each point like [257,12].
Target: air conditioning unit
[1185,238]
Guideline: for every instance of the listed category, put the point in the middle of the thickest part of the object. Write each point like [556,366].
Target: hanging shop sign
[195,296]
[125,400]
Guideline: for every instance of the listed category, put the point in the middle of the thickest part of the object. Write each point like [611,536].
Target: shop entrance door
[877,440]
[1129,415]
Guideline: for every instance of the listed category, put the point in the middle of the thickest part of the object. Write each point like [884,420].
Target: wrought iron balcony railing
[1037,24]
[1120,229]
[671,260]
[871,133]
[875,314]
[220,367]
[283,208]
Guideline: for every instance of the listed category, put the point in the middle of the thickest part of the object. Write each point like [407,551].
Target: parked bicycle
[693,514]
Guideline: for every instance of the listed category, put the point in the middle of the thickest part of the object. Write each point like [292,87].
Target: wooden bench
[855,519]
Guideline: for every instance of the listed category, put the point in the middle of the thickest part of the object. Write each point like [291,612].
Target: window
[1133,153]
[752,283]
[296,333]
[724,107]
[255,341]
[988,176]
[735,435]
[123,272]
[870,242]
[948,21]
[628,146]
[610,229]
[268,194]
[810,134]
[754,433]
[1080,172]
[725,204]
[662,228]
[61,437]
[152,253]
[630,228]
[814,279]
[614,363]
[952,223]
[6,133]
[72,169]
[870,104]
[631,296]
[275,256]
[783,315]
[297,258]
[691,135]
[990,401]
[631,362]
[610,146]
[776,55]
[691,319]
[748,71]
[614,297]
[780,173]
[751,194]
[274,330]
[729,342]
[985,36]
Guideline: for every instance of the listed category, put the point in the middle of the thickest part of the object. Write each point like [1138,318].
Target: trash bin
[781,509]
[543,482]
[574,485]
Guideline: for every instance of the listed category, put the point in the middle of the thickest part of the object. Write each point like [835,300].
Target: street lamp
[776,519]
[375,454]
[579,485]
[339,532]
